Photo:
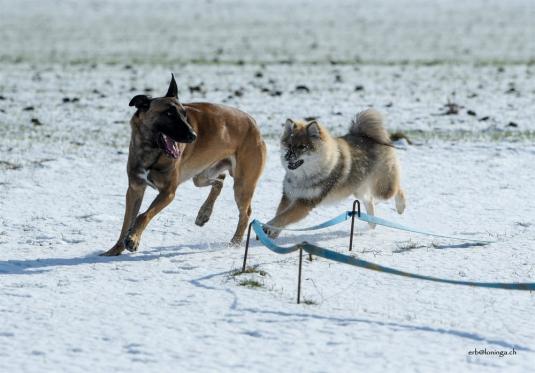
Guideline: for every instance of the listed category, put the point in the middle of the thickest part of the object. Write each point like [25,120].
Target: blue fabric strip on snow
[374,220]
[346,259]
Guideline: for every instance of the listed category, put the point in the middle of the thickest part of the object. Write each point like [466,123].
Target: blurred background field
[233,31]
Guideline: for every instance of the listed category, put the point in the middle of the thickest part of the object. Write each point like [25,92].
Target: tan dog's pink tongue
[171,147]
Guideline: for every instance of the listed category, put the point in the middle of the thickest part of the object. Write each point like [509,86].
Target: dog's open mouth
[168,145]
[296,164]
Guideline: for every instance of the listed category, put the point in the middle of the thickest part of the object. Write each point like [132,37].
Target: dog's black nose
[192,136]
[290,155]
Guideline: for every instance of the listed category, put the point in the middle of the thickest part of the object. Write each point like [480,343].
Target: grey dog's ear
[289,125]
[172,91]
[313,129]
[141,102]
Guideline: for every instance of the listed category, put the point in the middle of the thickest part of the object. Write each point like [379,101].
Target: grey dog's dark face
[298,141]
[165,121]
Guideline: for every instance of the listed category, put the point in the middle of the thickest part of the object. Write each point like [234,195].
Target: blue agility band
[373,220]
[346,259]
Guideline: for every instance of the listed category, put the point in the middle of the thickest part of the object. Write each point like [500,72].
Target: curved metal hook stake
[355,203]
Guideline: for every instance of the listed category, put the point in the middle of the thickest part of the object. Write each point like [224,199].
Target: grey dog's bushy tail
[369,123]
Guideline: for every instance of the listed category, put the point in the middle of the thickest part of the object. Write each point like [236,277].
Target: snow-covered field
[304,31]
[67,73]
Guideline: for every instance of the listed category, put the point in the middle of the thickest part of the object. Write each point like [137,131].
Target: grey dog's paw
[271,232]
[131,243]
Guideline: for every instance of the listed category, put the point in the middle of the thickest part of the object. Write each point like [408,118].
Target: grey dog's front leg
[294,211]
[283,204]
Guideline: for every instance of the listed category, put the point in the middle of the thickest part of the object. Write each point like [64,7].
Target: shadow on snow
[41,265]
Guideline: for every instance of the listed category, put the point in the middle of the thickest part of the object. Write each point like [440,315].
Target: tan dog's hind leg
[296,211]
[206,209]
[250,161]
[243,194]
[164,198]
[134,197]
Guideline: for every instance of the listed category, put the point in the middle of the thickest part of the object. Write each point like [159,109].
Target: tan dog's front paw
[203,216]
[131,242]
[116,250]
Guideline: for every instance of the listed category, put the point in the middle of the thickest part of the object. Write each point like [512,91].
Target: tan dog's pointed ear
[313,129]
[172,91]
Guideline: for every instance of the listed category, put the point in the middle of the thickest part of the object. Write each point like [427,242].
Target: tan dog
[171,143]
[321,168]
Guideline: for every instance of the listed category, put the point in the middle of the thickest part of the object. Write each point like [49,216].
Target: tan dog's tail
[369,123]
